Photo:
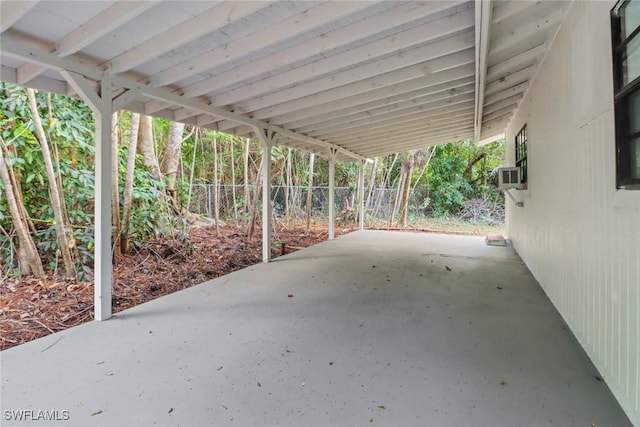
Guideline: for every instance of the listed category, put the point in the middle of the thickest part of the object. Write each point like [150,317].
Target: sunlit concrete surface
[374,328]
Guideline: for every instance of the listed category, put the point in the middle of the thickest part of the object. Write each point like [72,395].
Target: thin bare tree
[128,182]
[147,147]
[312,157]
[287,202]
[172,158]
[385,182]
[54,195]
[115,190]
[216,187]
[407,171]
[28,257]
[245,168]
[256,199]
[233,180]
[372,181]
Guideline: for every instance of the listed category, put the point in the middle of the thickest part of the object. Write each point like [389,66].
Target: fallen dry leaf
[447,267]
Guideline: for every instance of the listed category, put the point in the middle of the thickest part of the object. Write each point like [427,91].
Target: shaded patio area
[374,328]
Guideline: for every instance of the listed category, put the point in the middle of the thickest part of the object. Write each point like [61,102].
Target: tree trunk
[17,188]
[54,195]
[407,170]
[128,182]
[287,207]
[372,182]
[245,168]
[147,148]
[28,256]
[193,167]
[256,198]
[216,189]
[385,182]
[115,193]
[172,157]
[233,181]
[310,190]
[428,157]
[396,201]
[56,158]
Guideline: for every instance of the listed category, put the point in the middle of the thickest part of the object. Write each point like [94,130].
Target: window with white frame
[522,142]
[625,35]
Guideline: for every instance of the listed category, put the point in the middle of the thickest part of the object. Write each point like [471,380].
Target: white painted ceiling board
[362,78]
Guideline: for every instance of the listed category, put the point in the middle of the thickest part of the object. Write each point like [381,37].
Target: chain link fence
[379,202]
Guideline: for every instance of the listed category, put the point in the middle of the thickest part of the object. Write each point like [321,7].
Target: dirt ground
[31,308]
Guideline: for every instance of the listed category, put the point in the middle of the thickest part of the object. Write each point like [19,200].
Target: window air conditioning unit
[509,178]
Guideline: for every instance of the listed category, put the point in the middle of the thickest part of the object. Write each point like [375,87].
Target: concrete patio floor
[374,328]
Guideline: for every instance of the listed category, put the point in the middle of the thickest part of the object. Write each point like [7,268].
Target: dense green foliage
[442,180]
[70,129]
[460,172]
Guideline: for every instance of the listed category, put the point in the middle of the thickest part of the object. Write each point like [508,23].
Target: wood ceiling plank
[457,122]
[359,30]
[404,117]
[454,78]
[439,56]
[391,50]
[255,42]
[327,98]
[172,38]
[12,11]
[394,114]
[419,95]
[382,110]
[108,20]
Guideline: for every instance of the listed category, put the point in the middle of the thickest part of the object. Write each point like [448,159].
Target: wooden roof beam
[483,12]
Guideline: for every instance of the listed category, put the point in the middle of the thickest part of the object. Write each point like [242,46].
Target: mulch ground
[31,308]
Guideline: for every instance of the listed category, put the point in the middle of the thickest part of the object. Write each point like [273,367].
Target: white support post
[267,138]
[332,191]
[361,164]
[101,102]
[266,200]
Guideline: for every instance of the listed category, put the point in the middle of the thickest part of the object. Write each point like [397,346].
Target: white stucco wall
[578,235]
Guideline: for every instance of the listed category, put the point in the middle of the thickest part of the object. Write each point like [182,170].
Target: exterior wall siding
[578,235]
